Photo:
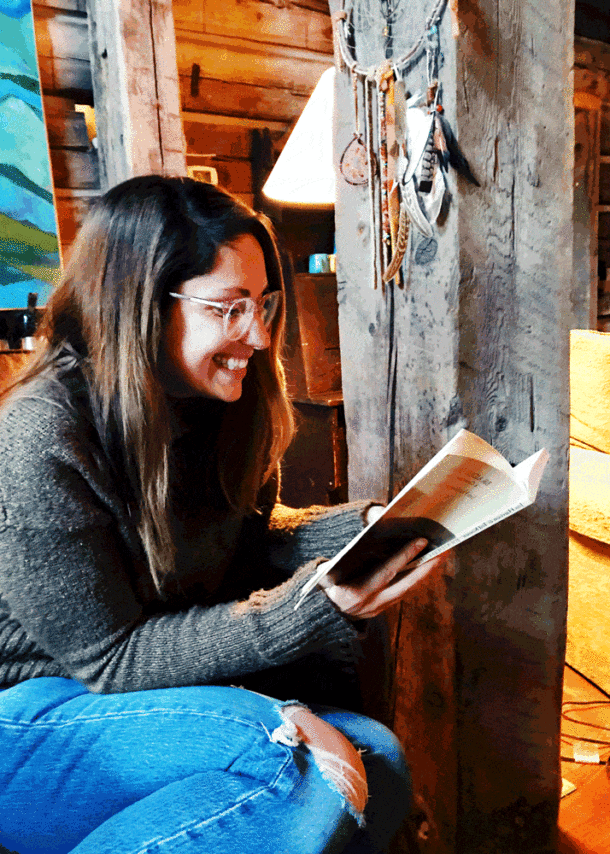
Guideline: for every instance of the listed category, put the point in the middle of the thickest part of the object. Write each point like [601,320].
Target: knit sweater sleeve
[67,577]
[297,536]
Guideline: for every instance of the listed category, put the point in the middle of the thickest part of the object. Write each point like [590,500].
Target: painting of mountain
[29,252]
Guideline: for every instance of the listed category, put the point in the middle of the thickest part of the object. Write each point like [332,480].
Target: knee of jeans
[337,759]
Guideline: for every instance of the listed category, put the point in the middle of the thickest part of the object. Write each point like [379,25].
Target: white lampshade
[304,172]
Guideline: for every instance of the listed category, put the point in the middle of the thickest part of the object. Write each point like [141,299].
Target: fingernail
[421,542]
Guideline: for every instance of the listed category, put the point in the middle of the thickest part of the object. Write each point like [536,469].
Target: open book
[467,487]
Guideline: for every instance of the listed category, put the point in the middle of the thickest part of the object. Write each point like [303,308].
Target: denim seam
[129,714]
[195,827]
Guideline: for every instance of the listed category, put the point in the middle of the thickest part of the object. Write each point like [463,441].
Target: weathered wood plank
[593,54]
[78,170]
[237,99]
[242,122]
[604,130]
[135,88]
[67,129]
[72,206]
[515,314]
[316,306]
[592,82]
[242,61]
[64,5]
[61,35]
[258,21]
[477,338]
[63,52]
[222,140]
[71,77]
[586,132]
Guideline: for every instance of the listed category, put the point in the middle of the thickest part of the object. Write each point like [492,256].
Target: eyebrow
[236,293]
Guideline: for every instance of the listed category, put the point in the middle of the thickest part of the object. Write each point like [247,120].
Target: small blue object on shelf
[319,263]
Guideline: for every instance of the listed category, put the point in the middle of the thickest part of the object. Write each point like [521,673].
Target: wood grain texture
[63,52]
[288,24]
[70,77]
[78,170]
[478,338]
[586,193]
[242,99]
[72,205]
[514,314]
[240,60]
[135,89]
[61,34]
[66,5]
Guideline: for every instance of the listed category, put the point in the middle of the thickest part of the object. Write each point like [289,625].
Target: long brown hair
[140,241]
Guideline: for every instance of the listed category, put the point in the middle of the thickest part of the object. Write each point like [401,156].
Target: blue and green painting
[29,256]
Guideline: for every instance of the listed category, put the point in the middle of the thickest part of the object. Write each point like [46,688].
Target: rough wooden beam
[477,337]
[135,89]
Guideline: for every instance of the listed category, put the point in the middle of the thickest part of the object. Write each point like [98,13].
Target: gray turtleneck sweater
[76,597]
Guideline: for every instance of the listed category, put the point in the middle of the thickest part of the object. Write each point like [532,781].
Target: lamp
[304,173]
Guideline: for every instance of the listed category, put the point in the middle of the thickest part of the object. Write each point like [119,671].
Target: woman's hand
[386,586]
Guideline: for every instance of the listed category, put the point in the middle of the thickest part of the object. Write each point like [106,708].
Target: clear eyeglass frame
[238,314]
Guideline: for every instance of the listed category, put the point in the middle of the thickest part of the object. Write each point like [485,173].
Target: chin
[229,395]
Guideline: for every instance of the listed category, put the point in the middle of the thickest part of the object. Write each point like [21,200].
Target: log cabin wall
[246,70]
[65,72]
[592,176]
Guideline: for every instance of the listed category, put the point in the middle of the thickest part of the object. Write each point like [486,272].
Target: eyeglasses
[238,315]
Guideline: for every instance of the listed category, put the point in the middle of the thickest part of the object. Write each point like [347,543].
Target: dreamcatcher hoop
[342,19]
[392,208]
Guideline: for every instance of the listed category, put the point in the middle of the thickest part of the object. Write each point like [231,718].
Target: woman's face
[197,358]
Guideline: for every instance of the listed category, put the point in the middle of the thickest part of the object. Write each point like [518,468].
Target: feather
[419,126]
[433,202]
[414,209]
[440,143]
[401,246]
[456,158]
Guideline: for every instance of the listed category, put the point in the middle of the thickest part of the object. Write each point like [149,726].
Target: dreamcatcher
[402,144]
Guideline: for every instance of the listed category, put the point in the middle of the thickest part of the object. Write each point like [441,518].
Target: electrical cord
[591,704]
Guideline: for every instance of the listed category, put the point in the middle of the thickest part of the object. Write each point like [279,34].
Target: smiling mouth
[232,364]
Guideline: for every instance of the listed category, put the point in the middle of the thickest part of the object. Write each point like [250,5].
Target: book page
[456,495]
[464,489]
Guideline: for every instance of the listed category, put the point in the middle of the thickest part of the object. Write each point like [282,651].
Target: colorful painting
[29,256]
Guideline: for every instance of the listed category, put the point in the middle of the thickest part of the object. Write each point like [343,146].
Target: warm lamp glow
[304,171]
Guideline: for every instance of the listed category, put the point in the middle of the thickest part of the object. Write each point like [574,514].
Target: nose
[257,336]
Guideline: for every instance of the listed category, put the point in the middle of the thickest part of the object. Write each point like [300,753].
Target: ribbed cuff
[283,634]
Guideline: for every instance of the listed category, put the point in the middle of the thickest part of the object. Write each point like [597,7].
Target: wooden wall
[592,175]
[65,71]
[246,69]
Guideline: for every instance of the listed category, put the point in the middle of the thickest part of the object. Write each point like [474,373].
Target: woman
[145,567]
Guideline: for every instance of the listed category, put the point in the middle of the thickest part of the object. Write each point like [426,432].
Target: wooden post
[135,89]
[476,338]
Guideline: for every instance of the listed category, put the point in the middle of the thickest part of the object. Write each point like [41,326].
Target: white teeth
[232,364]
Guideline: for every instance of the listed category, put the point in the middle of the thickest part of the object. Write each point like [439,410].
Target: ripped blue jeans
[208,769]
